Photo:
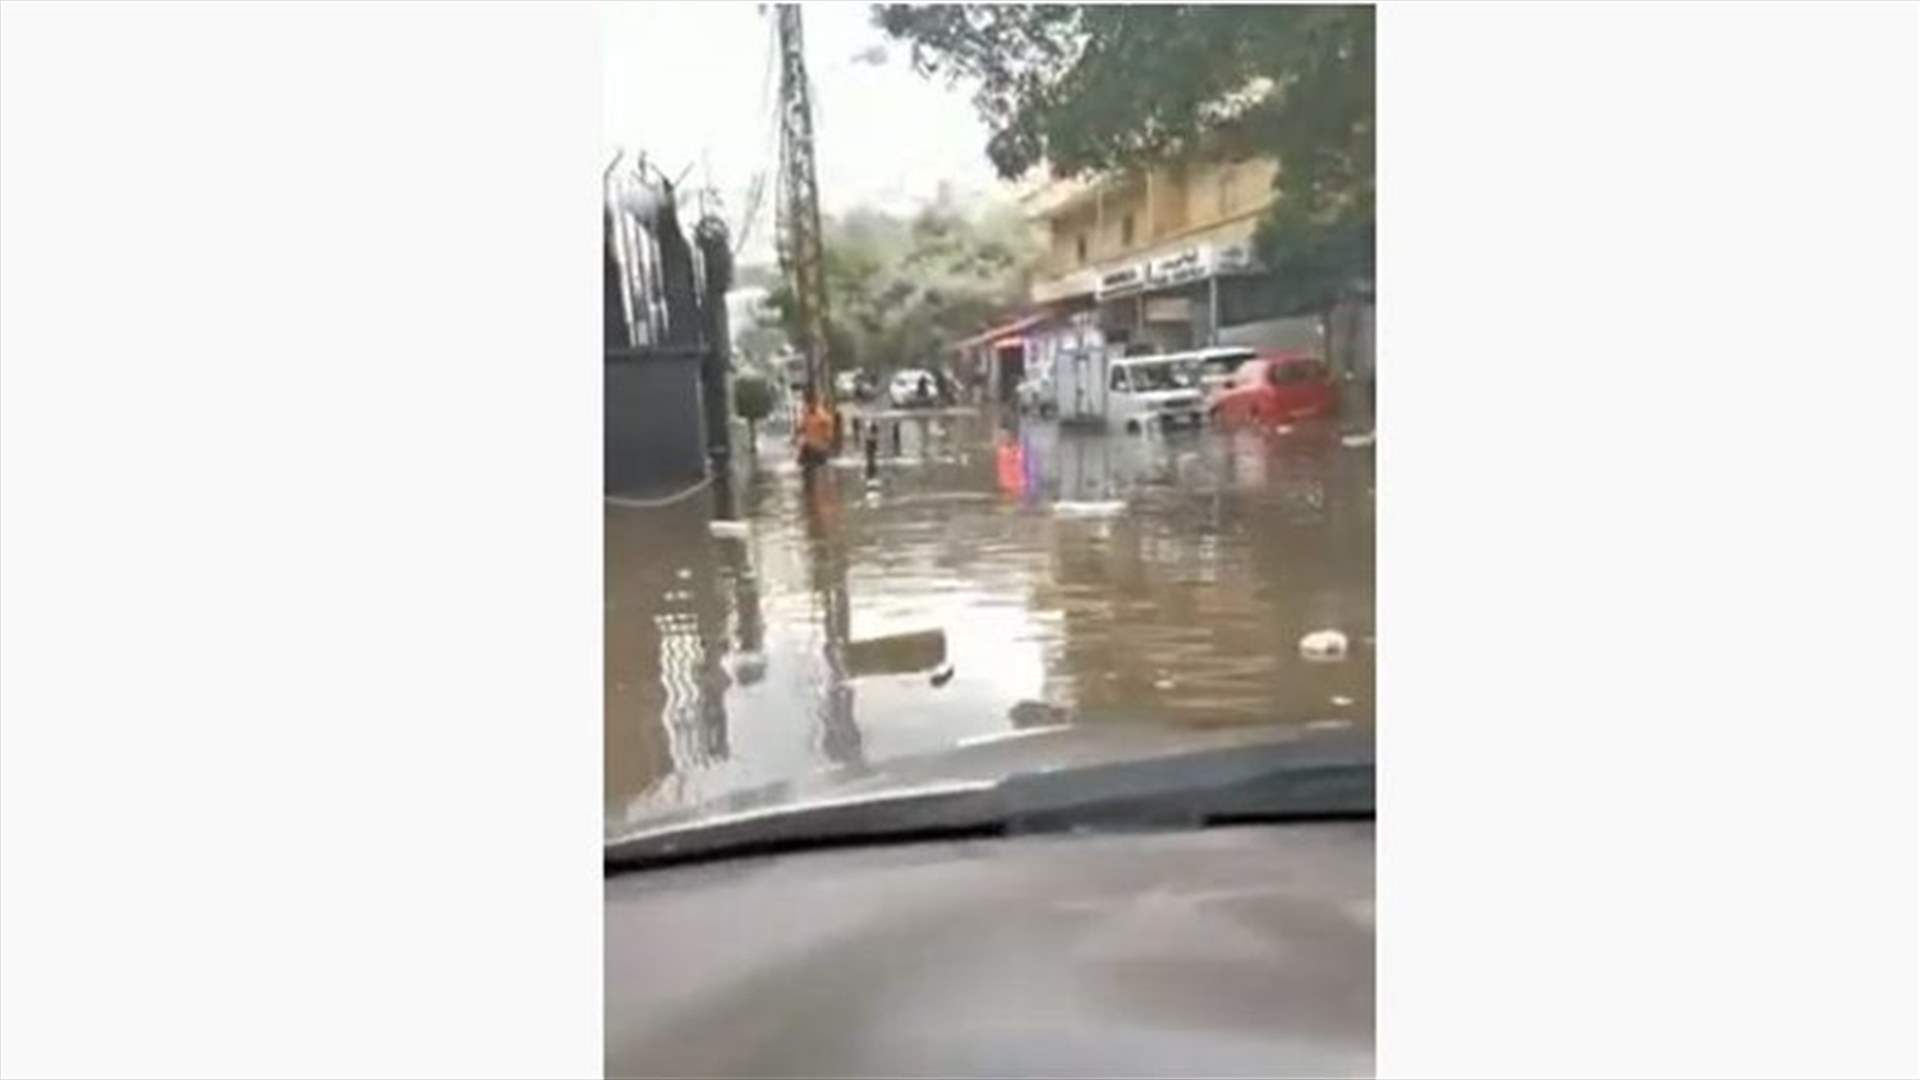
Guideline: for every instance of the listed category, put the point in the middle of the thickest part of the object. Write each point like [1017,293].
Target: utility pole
[800,242]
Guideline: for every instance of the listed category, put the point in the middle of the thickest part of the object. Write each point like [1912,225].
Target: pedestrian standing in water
[816,434]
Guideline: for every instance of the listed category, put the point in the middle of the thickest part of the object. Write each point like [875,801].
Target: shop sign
[1080,283]
[1183,266]
[1127,279]
[1235,259]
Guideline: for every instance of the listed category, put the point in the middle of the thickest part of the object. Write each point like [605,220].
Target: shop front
[1168,302]
[991,364]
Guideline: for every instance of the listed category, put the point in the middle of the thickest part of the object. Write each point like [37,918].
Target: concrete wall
[1352,333]
[1353,351]
[1300,332]
[1216,193]
[653,434]
[1353,337]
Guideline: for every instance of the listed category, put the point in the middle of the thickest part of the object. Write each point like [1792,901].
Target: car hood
[1044,767]
[1236,951]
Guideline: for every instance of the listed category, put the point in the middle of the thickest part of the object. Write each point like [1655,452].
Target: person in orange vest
[816,433]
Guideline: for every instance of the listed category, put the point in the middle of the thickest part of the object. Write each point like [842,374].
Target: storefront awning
[1007,330]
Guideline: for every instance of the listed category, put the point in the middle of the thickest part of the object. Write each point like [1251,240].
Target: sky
[695,84]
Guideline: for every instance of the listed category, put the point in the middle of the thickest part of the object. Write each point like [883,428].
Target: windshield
[1166,376]
[992,584]
[953,568]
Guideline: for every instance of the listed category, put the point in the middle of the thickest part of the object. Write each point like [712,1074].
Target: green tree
[753,402]
[1097,89]
[901,290]
[760,343]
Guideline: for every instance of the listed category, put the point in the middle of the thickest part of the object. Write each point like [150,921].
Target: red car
[1277,388]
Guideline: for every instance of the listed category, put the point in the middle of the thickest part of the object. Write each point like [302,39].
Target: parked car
[946,386]
[853,386]
[1152,392]
[912,387]
[1277,388]
[1215,368]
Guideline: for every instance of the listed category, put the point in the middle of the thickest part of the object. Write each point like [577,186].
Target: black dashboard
[1226,951]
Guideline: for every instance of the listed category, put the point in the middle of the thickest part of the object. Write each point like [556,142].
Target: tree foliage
[900,290]
[1098,89]
[758,344]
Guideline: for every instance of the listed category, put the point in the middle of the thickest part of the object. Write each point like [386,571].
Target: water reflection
[827,559]
[1049,575]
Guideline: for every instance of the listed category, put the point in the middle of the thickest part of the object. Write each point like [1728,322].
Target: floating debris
[1163,684]
[1357,439]
[1324,646]
[896,654]
[1342,700]
[1038,714]
[683,574]
[728,530]
[1283,429]
[1102,508]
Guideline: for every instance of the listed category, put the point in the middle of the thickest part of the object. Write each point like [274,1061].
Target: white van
[1154,392]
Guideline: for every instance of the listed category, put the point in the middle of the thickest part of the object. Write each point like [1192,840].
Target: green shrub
[753,402]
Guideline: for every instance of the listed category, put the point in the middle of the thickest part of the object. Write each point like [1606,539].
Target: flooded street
[996,578]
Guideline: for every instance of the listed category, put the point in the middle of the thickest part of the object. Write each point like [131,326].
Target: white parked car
[911,387]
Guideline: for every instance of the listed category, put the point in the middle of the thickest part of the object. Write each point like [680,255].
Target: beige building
[1154,260]
[1159,258]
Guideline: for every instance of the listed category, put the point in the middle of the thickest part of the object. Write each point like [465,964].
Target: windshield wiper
[1318,779]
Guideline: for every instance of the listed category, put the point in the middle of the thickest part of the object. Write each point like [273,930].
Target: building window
[1126,231]
[1080,248]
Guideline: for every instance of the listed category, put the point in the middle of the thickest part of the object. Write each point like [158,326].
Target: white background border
[302,516]
[299,444]
[1647,540]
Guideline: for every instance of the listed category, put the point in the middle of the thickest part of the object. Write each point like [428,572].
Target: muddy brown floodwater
[1000,575]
